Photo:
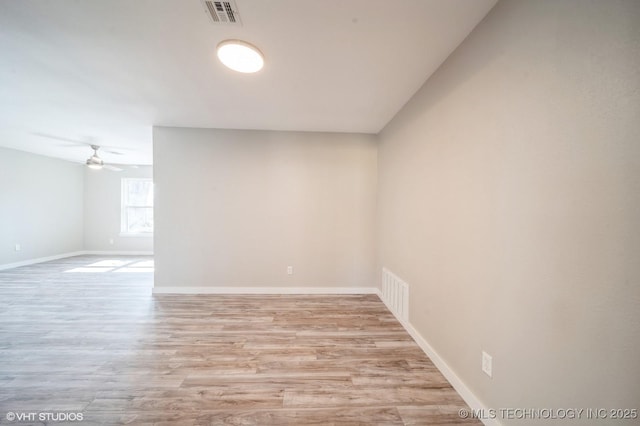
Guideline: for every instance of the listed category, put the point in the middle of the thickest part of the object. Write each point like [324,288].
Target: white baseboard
[469,397]
[264,290]
[118,253]
[39,260]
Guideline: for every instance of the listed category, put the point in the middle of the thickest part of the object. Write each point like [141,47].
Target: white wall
[102,211]
[509,199]
[40,206]
[235,208]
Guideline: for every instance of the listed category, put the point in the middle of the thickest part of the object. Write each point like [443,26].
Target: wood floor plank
[76,339]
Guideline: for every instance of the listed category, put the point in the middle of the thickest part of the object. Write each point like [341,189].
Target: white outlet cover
[487,363]
[289,270]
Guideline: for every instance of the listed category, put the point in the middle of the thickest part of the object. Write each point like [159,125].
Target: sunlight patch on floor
[134,270]
[116,265]
[89,269]
[110,262]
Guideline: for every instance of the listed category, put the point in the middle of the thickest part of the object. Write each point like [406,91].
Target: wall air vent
[395,294]
[222,12]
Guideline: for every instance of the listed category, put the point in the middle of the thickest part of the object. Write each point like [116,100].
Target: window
[137,206]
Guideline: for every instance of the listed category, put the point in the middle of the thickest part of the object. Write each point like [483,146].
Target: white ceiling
[107,71]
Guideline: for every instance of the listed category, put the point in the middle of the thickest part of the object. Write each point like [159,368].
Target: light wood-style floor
[85,335]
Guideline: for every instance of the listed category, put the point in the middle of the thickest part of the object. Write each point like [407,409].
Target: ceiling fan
[97,163]
[94,162]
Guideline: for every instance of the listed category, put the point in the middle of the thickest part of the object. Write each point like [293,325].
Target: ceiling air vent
[222,12]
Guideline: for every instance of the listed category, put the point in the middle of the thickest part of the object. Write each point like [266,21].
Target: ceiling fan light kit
[96,163]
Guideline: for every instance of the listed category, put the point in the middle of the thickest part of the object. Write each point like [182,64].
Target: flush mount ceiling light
[240,56]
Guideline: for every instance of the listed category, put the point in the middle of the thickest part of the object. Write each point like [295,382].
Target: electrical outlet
[487,363]
[18,248]
[289,270]
[111,241]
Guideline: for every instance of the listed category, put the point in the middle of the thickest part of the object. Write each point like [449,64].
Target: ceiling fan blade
[112,168]
[87,142]
[120,148]
[68,145]
[60,138]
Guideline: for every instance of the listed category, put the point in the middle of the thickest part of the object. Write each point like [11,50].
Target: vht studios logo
[44,417]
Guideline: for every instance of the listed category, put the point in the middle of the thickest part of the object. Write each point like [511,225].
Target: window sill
[138,234]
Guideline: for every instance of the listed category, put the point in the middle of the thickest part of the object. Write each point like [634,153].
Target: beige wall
[235,208]
[509,199]
[102,211]
[40,206]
